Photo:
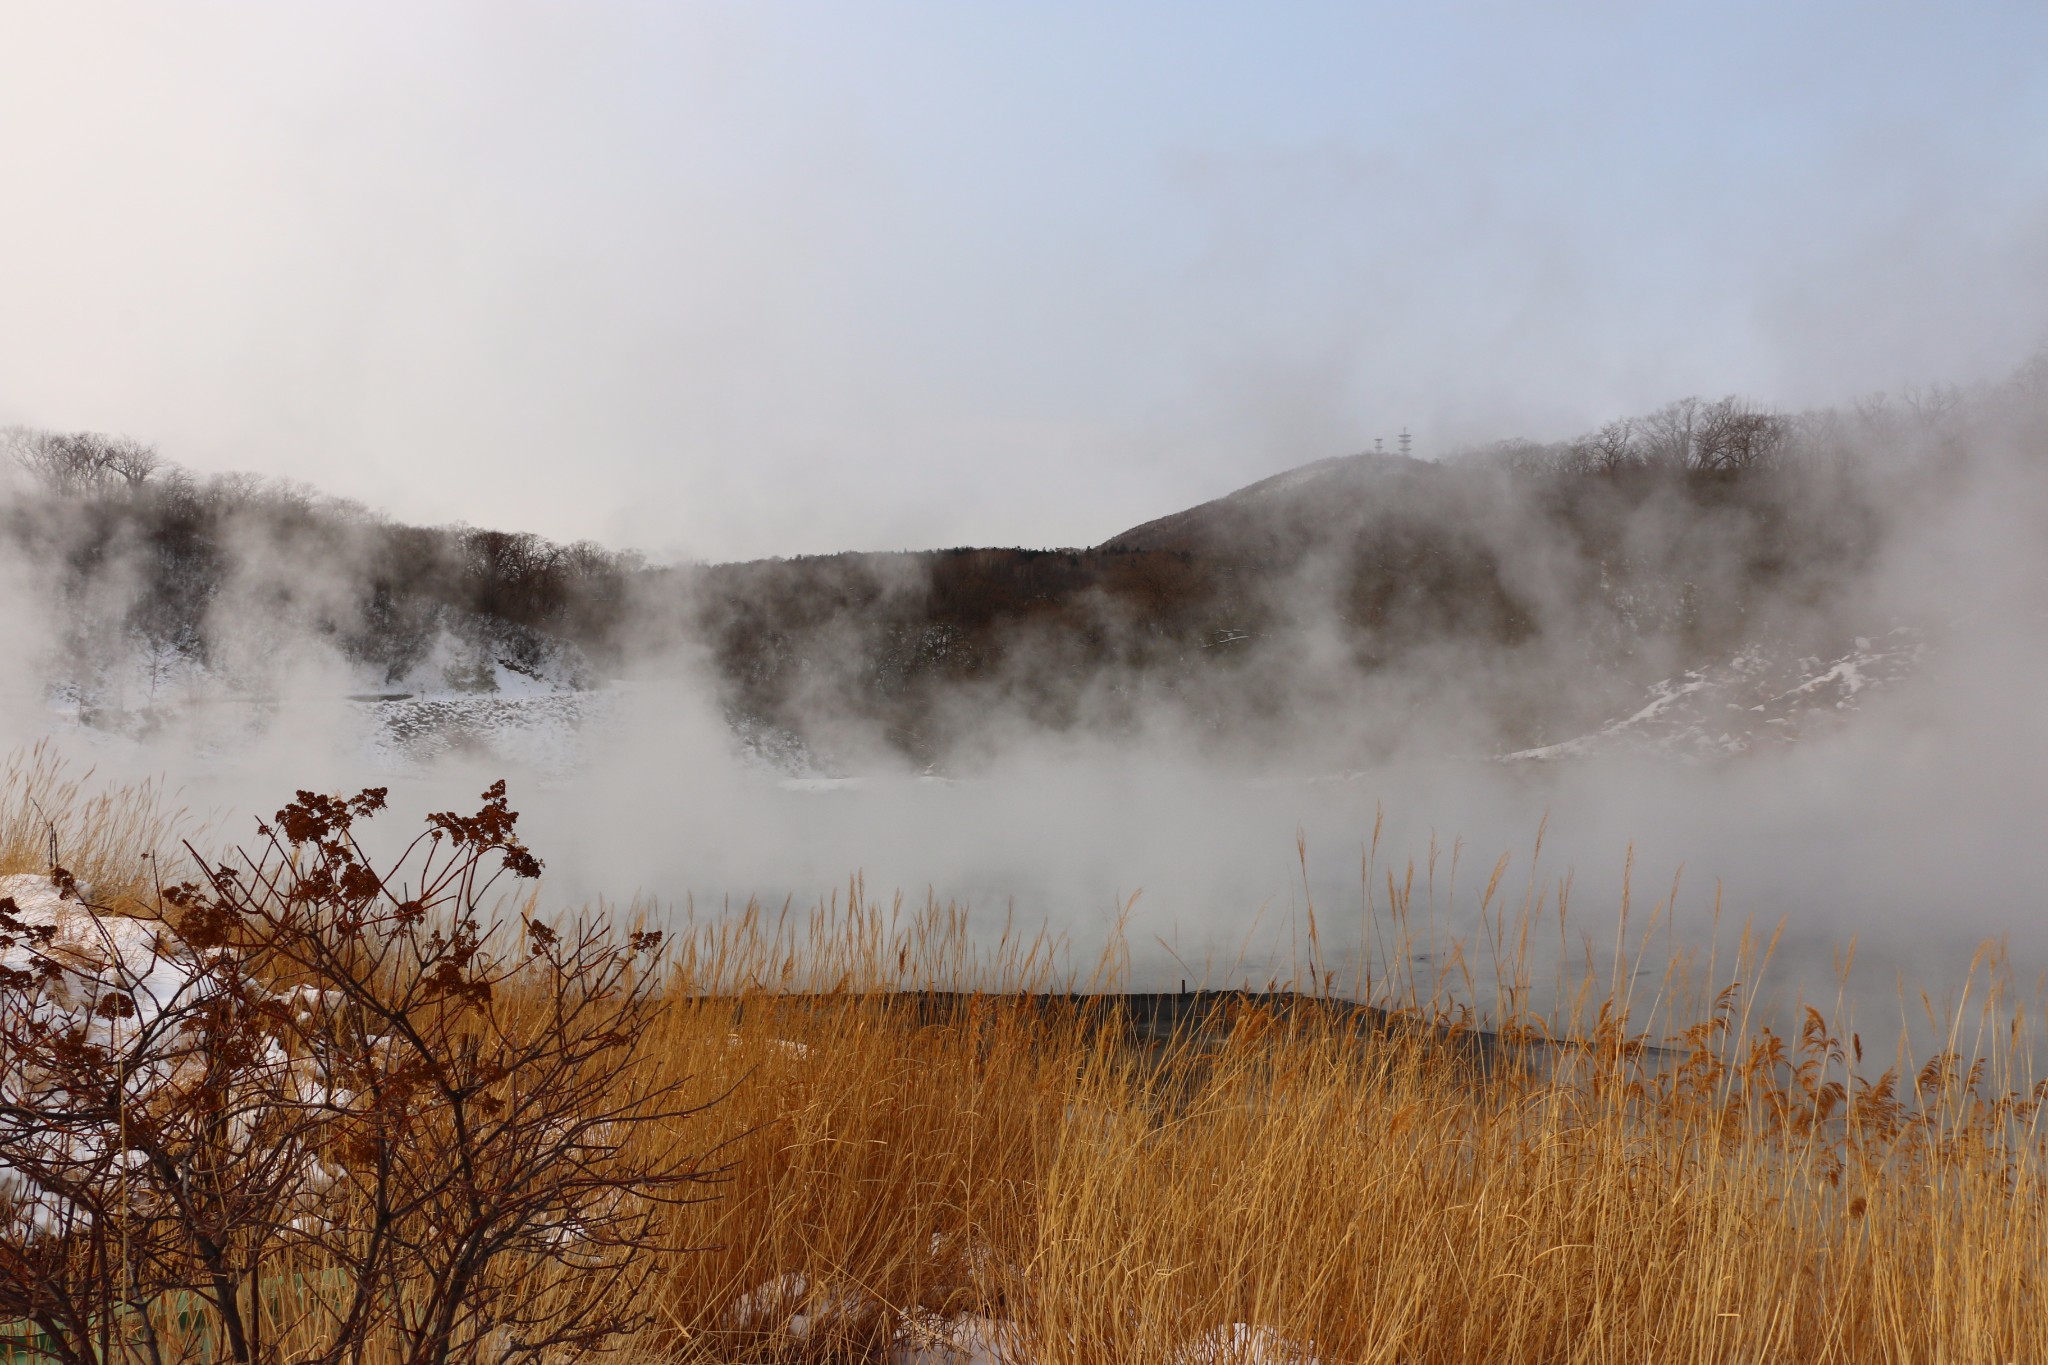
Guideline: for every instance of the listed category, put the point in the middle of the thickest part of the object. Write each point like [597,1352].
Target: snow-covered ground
[791,1306]
[89,951]
[543,730]
[1757,699]
[109,982]
[517,706]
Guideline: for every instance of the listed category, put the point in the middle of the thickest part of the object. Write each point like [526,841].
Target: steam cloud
[1913,827]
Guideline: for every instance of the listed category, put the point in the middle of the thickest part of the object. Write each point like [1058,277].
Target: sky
[719,280]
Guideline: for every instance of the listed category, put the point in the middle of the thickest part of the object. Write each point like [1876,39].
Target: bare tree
[1733,434]
[84,461]
[1668,435]
[332,1104]
[1612,448]
[143,1144]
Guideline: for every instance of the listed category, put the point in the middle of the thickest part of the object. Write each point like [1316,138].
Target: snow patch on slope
[1751,702]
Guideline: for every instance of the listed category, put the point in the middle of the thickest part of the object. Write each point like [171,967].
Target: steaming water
[1913,829]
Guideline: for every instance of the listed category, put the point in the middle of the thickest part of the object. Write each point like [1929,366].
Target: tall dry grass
[1678,1182]
[108,837]
[915,1127]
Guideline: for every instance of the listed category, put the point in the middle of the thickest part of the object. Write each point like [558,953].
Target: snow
[134,989]
[533,726]
[476,688]
[95,954]
[790,1303]
[795,1051]
[820,786]
[1242,1343]
[78,964]
[1751,701]
[963,1339]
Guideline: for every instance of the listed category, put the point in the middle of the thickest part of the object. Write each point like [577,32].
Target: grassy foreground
[1663,1179]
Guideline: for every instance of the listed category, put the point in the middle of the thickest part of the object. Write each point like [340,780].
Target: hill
[1512,600]
[1344,606]
[1275,512]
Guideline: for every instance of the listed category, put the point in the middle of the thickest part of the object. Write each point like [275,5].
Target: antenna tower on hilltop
[1405,441]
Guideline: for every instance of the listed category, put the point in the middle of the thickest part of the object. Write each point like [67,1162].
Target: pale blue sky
[723,279]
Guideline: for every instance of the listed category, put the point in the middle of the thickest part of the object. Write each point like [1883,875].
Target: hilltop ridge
[1260,508]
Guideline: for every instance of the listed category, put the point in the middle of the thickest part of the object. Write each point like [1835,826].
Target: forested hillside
[1512,596]
[1508,598]
[140,564]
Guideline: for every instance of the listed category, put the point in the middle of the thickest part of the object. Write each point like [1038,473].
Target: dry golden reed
[1383,1186]
[914,1128]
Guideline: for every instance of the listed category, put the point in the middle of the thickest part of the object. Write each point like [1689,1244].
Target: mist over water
[1911,827]
[1919,843]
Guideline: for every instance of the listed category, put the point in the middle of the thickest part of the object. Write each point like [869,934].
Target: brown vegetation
[314,1105]
[917,1133]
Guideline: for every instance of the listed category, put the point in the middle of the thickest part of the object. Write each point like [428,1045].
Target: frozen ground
[792,1307]
[1758,699]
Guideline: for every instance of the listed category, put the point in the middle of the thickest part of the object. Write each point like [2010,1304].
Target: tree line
[97,513]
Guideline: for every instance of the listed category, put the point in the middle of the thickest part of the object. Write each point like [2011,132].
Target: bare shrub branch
[333,1104]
